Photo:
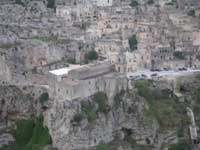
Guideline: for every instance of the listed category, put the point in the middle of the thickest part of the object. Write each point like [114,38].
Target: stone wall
[69,90]
[5,74]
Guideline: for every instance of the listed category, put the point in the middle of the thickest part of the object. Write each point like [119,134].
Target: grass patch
[30,135]
[102,147]
[181,145]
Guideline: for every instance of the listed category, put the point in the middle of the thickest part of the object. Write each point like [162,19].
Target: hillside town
[74,49]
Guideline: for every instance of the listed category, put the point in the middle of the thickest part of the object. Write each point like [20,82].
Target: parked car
[166,69]
[182,69]
[143,75]
[155,70]
[154,74]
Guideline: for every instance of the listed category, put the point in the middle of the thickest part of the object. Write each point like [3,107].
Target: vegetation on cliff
[133,42]
[90,109]
[30,135]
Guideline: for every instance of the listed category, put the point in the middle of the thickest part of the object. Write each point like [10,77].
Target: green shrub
[102,147]
[30,135]
[78,118]
[51,4]
[44,97]
[181,145]
[131,141]
[150,2]
[91,55]
[133,42]
[101,99]
[24,131]
[88,110]
[192,13]
[134,3]
[19,2]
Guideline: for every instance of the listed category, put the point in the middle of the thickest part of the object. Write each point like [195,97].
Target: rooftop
[64,71]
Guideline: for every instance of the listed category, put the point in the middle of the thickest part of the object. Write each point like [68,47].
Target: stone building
[79,81]
[161,56]
[124,61]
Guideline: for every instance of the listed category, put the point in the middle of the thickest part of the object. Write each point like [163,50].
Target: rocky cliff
[150,116]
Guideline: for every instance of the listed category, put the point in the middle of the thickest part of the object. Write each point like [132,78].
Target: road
[148,74]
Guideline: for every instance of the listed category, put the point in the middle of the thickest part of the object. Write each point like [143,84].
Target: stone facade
[83,81]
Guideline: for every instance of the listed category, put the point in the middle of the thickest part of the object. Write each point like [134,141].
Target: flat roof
[64,71]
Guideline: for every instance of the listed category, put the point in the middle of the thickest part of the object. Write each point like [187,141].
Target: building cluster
[164,40]
[126,37]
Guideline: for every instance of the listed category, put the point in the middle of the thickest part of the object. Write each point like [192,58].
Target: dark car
[143,75]
[166,69]
[155,70]
[154,74]
[182,69]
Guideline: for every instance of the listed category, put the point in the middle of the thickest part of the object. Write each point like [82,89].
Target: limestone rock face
[5,139]
[17,103]
[67,136]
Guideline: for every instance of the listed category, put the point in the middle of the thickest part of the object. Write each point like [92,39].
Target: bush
[134,3]
[101,99]
[51,3]
[150,2]
[31,135]
[102,147]
[133,42]
[19,2]
[192,13]
[88,110]
[24,131]
[181,145]
[91,55]
[78,118]
[44,97]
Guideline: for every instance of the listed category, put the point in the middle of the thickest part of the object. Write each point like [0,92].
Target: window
[118,69]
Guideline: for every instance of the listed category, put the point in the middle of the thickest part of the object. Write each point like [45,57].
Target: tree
[51,4]
[134,3]
[19,2]
[192,13]
[150,2]
[91,55]
[133,42]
